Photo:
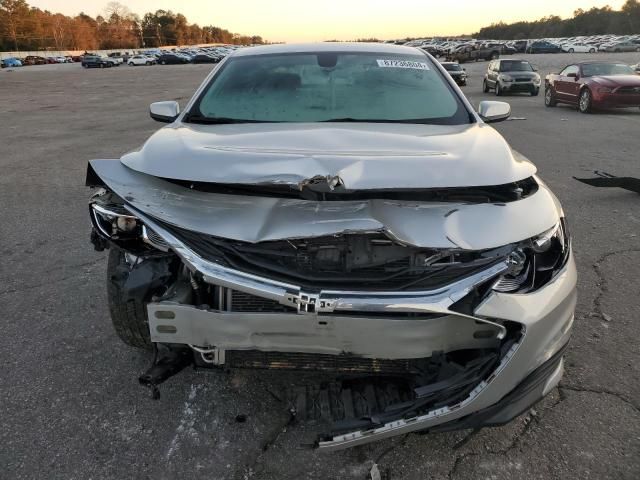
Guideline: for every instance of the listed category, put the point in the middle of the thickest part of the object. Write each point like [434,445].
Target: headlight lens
[535,262]
[605,90]
[506,78]
[114,222]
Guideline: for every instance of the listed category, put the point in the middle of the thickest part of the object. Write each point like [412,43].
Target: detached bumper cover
[547,316]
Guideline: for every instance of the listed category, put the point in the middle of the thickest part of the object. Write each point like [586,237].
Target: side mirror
[535,69]
[493,112]
[165,112]
[573,75]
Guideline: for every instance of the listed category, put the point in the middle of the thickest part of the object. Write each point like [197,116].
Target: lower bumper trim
[529,392]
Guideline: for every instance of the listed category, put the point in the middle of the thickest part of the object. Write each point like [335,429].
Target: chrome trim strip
[326,301]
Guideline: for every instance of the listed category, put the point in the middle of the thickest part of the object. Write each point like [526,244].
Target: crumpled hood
[363,156]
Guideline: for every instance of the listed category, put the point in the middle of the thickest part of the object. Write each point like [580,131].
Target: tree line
[23,27]
[595,21]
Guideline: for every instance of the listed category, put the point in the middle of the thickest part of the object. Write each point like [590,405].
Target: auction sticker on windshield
[403,64]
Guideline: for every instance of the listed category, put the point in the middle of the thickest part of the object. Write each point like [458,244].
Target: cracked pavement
[71,406]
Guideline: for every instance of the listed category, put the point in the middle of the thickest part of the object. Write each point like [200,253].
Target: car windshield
[452,67]
[515,66]
[324,87]
[597,69]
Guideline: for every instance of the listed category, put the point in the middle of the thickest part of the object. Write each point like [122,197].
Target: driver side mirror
[573,75]
[493,112]
[534,67]
[165,112]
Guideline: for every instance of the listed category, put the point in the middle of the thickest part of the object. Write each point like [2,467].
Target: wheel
[128,314]
[549,98]
[584,105]
[571,50]
[592,50]
[498,90]
[535,92]
[85,66]
[163,62]
[638,49]
[485,87]
[102,65]
[148,63]
[131,64]
[495,56]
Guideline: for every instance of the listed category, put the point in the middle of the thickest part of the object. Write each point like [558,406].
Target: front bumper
[615,100]
[515,87]
[371,326]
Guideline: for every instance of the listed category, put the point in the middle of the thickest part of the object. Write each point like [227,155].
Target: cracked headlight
[535,262]
[114,222]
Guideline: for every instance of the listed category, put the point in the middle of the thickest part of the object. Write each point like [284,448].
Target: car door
[489,69]
[565,85]
[493,73]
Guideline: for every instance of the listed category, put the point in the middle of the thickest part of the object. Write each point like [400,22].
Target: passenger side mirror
[535,69]
[165,112]
[493,112]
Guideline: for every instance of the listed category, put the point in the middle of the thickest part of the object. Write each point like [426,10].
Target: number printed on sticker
[402,64]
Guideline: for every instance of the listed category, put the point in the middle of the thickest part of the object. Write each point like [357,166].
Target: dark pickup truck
[471,54]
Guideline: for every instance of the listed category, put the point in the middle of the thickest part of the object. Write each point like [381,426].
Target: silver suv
[341,208]
[511,76]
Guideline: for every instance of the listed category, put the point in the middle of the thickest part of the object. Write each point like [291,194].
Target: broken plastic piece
[166,364]
[605,179]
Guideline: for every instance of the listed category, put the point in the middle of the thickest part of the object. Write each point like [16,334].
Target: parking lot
[71,403]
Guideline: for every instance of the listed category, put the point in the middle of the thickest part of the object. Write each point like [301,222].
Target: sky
[316,20]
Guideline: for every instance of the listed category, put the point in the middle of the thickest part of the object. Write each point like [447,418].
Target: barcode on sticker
[403,64]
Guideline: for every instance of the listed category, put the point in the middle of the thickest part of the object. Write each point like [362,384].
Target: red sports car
[592,85]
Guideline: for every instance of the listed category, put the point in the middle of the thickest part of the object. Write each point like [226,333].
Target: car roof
[382,48]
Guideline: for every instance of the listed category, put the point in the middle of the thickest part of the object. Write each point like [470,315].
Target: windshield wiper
[217,120]
[366,120]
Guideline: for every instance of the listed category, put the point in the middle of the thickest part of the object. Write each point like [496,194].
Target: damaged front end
[422,325]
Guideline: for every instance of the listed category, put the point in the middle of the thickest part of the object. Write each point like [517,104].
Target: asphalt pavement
[70,403]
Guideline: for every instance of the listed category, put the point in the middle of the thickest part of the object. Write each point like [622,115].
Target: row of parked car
[453,48]
[157,56]
[130,57]
[520,76]
[586,85]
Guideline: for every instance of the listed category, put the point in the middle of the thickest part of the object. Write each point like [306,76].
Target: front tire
[593,50]
[498,90]
[535,92]
[585,102]
[571,50]
[485,87]
[549,98]
[128,315]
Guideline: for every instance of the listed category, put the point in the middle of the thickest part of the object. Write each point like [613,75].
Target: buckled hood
[356,157]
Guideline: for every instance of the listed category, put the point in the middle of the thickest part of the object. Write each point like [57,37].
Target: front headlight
[535,262]
[114,223]
[605,90]
[506,78]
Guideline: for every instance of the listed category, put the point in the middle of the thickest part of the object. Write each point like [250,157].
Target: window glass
[317,87]
[570,69]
